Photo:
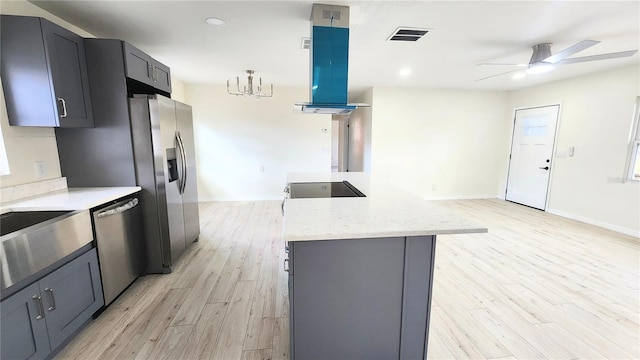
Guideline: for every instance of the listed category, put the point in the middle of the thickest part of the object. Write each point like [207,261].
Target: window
[634,149]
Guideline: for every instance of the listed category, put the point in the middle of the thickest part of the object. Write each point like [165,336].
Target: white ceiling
[266,36]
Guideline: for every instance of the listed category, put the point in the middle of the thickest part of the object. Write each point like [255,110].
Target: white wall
[360,127]
[335,140]
[596,118]
[237,136]
[453,140]
[178,90]
[25,146]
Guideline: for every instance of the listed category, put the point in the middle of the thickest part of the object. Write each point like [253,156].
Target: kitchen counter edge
[385,212]
[70,199]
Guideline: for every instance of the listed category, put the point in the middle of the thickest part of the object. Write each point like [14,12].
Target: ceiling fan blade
[504,73]
[584,44]
[615,55]
[504,64]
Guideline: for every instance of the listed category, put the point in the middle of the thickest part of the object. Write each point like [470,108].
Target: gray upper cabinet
[147,70]
[44,74]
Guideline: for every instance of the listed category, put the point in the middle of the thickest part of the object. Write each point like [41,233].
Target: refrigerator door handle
[183,183]
[181,173]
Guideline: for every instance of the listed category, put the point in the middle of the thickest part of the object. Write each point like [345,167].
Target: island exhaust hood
[329,57]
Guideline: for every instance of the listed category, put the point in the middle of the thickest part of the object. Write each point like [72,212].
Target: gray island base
[361,270]
[360,299]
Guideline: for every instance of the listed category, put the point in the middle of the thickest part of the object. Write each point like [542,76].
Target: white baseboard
[211,199]
[461,197]
[602,224]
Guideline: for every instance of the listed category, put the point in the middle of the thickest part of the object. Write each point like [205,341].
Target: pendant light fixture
[248,90]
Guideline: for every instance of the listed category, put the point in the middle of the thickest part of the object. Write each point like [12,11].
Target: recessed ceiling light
[519,75]
[404,72]
[215,21]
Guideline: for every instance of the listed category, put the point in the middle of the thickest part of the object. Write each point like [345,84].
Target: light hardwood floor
[536,286]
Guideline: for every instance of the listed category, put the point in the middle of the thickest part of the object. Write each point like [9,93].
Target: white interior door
[534,133]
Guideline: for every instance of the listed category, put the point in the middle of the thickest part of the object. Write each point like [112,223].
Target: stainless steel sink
[15,221]
[31,241]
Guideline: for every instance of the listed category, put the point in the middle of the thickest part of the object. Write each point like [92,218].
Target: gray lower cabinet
[23,329]
[38,319]
[44,74]
[360,298]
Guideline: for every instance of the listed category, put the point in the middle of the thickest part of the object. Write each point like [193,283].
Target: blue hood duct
[329,55]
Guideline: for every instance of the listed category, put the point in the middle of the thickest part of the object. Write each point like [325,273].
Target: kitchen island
[361,270]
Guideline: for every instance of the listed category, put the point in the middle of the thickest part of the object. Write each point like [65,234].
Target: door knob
[544,168]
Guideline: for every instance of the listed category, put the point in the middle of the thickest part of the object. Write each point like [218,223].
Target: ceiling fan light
[519,75]
[539,68]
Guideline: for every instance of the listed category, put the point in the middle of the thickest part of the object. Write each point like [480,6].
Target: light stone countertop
[69,199]
[386,211]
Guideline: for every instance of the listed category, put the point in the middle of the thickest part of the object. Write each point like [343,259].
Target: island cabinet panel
[44,74]
[360,298]
[24,330]
[416,299]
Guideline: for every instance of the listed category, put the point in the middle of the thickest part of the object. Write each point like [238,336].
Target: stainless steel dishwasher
[121,246]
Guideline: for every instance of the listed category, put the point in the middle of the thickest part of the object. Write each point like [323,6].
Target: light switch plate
[41,169]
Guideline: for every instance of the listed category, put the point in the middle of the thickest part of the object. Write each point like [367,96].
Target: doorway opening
[339,143]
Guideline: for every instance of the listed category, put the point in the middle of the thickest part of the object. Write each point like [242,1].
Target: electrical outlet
[41,169]
[434,186]
[261,168]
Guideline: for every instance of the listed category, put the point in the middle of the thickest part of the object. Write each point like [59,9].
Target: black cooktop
[323,190]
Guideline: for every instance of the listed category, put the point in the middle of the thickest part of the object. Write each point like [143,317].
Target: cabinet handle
[286,265]
[38,300]
[150,70]
[64,107]
[52,298]
[155,74]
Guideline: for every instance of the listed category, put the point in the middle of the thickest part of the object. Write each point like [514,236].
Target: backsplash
[12,193]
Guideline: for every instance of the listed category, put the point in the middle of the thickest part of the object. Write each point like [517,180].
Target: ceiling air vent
[407,34]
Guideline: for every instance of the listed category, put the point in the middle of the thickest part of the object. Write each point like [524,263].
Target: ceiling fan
[542,61]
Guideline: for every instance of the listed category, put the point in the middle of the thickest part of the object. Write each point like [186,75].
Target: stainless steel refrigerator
[148,141]
[164,152]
